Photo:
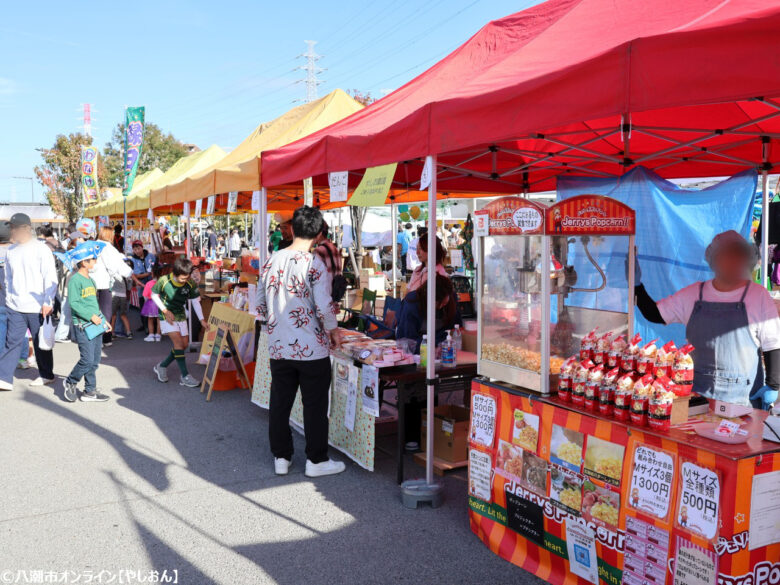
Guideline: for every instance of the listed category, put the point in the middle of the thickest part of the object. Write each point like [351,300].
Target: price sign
[698,507]
[651,481]
[483,420]
[480,467]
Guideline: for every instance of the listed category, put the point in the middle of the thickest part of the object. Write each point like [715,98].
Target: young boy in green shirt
[171,294]
[82,296]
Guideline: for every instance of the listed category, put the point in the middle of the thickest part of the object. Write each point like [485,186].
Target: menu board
[698,507]
[651,481]
[483,419]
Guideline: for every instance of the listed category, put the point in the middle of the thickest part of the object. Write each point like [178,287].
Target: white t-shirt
[761,310]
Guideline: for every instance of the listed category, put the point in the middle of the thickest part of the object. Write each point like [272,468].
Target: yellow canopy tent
[186,166]
[114,205]
[240,170]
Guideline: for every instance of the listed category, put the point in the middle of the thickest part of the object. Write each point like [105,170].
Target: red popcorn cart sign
[514,216]
[591,214]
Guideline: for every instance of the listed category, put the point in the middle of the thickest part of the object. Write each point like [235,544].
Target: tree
[362,97]
[159,151]
[60,174]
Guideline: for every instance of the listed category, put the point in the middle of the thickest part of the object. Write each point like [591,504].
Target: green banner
[134,140]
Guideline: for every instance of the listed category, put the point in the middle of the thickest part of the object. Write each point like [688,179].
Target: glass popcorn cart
[548,276]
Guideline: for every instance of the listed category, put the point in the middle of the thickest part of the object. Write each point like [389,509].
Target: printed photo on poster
[509,460]
[600,505]
[483,420]
[566,489]
[652,473]
[525,431]
[534,473]
[604,460]
[566,448]
[480,469]
[340,375]
[698,505]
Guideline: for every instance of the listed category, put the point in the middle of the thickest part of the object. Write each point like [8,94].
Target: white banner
[427,173]
[232,205]
[210,205]
[198,208]
[308,192]
[186,212]
[256,200]
[339,185]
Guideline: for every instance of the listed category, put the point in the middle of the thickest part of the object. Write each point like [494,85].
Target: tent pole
[262,238]
[765,212]
[394,220]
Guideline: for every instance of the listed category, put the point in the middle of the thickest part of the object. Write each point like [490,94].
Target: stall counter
[574,497]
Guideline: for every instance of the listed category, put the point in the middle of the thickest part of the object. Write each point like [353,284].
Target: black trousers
[104,302]
[313,377]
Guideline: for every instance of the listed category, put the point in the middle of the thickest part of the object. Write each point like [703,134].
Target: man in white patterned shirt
[294,300]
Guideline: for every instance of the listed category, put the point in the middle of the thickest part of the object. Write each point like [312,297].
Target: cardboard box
[450,432]
[375,283]
[469,341]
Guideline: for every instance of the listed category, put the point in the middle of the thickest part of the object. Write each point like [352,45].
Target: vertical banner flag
[198,208]
[338,183]
[232,205]
[427,173]
[186,210]
[210,205]
[89,178]
[134,139]
[308,192]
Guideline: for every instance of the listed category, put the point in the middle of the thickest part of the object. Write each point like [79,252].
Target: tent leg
[415,491]
[765,230]
[394,220]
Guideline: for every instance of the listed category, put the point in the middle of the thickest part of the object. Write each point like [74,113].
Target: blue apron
[726,359]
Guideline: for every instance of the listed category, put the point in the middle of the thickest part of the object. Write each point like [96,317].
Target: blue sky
[207,71]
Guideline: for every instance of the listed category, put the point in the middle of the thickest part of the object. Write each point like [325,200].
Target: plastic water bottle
[457,340]
[424,351]
[448,352]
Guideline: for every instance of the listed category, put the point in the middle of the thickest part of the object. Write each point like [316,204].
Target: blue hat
[83,251]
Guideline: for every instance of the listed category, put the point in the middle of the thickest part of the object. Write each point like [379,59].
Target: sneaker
[281,466]
[63,341]
[129,336]
[412,447]
[5,386]
[162,374]
[328,467]
[31,363]
[23,365]
[93,396]
[189,381]
[39,381]
[71,391]
[149,337]
[121,335]
[108,344]
[158,337]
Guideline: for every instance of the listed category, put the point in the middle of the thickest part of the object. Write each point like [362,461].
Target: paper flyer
[350,409]
[370,394]
[581,545]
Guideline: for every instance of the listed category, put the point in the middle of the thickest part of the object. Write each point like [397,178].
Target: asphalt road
[159,479]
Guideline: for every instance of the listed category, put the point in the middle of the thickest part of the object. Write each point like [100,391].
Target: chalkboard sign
[525,517]
[222,338]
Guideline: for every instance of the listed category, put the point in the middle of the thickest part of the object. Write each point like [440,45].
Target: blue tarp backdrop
[674,226]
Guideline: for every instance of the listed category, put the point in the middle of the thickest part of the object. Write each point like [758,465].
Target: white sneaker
[158,337]
[41,381]
[6,386]
[23,365]
[328,467]
[189,381]
[149,337]
[31,363]
[281,466]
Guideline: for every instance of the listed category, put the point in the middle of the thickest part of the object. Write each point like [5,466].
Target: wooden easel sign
[222,338]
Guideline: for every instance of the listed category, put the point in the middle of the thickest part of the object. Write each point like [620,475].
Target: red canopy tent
[592,87]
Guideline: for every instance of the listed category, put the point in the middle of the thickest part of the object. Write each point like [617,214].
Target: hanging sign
[374,186]
[339,185]
[591,214]
[134,139]
[427,173]
[255,200]
[150,216]
[89,177]
[232,205]
[481,223]
[198,208]
[210,205]
[308,192]
[186,210]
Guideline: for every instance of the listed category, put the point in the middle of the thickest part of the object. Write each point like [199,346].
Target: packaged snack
[659,409]
[643,388]
[607,391]
[630,355]
[682,370]
[645,363]
[588,346]
[580,380]
[622,399]
[603,344]
[592,386]
[664,360]
[565,379]
[615,353]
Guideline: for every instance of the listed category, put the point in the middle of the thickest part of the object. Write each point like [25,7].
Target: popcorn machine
[546,277]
